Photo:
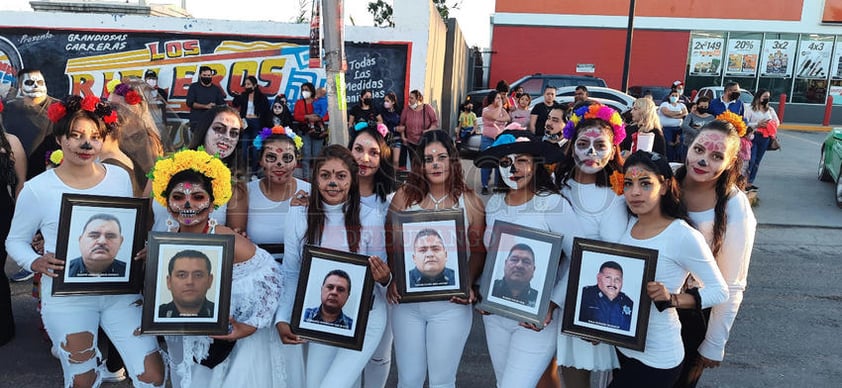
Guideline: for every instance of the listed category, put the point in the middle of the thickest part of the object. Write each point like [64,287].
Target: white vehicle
[715,92]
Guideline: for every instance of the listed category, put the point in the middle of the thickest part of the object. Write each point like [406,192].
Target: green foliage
[382,11]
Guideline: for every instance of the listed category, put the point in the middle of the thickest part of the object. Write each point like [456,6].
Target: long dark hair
[384,178]
[234,161]
[670,204]
[7,161]
[727,181]
[566,168]
[755,103]
[351,208]
[417,186]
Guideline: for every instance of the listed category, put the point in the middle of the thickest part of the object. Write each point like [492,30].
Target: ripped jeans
[119,316]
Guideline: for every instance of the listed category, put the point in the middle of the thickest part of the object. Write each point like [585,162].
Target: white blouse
[267,219]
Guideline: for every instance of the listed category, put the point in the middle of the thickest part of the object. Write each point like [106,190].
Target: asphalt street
[786,334]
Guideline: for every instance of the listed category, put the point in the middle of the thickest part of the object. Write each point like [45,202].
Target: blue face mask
[673,99]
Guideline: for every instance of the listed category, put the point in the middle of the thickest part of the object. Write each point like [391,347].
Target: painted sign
[742,57]
[706,56]
[778,56]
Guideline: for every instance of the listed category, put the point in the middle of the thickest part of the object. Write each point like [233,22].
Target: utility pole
[334,38]
[629,33]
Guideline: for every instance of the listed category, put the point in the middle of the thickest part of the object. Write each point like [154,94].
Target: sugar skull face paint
[32,85]
[223,135]
[592,150]
[516,170]
[710,154]
[189,203]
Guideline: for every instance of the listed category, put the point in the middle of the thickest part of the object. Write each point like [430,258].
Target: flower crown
[735,120]
[596,111]
[381,128]
[277,130]
[119,88]
[59,109]
[200,161]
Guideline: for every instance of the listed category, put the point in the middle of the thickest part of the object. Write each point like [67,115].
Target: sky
[472,15]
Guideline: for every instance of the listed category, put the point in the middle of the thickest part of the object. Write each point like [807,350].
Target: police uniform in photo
[77,268]
[445,278]
[503,291]
[169,310]
[597,308]
[314,315]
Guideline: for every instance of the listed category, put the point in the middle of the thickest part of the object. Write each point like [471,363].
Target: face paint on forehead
[591,133]
[188,188]
[635,172]
[713,141]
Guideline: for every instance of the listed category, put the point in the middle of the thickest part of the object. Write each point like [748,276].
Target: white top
[732,260]
[682,250]
[38,208]
[267,218]
[669,121]
[161,215]
[372,243]
[548,212]
[602,213]
[250,108]
[753,117]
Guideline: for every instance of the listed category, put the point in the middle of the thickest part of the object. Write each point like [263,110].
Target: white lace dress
[256,360]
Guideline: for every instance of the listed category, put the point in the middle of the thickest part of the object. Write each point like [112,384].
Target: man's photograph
[430,258]
[336,288]
[331,301]
[605,303]
[99,245]
[188,283]
[518,271]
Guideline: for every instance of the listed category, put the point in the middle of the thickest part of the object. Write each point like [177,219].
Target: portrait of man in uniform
[518,271]
[99,243]
[189,278]
[430,256]
[605,303]
[335,290]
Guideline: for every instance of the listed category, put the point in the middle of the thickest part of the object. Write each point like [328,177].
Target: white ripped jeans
[430,337]
[519,355]
[119,316]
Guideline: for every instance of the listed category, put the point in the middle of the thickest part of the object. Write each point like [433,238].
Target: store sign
[742,57]
[814,58]
[706,56]
[585,68]
[778,56]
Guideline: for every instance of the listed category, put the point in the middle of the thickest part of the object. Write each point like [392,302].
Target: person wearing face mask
[416,120]
[156,98]
[254,108]
[520,352]
[679,87]
[699,116]
[309,125]
[203,96]
[26,118]
[764,121]
[671,113]
[364,111]
[729,101]
[391,115]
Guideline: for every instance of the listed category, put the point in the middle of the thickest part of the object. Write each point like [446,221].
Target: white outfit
[732,260]
[669,121]
[38,208]
[520,355]
[682,250]
[753,117]
[161,215]
[430,336]
[603,216]
[377,371]
[256,360]
[329,366]
[267,221]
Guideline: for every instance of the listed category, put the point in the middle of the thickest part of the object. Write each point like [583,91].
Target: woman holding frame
[520,352]
[334,218]
[588,176]
[80,125]
[722,212]
[430,336]
[662,223]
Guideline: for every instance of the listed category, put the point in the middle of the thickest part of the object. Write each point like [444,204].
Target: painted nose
[187,205]
[87,146]
[703,163]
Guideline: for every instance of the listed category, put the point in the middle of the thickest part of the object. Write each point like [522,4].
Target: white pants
[430,337]
[519,355]
[377,371]
[119,316]
[334,367]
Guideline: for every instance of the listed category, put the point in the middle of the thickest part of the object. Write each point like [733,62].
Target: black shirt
[542,111]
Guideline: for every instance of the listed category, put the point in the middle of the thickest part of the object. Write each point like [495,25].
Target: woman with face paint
[218,134]
[72,321]
[191,184]
[281,114]
[662,223]
[430,336]
[377,185]
[335,218]
[590,176]
[520,352]
[721,211]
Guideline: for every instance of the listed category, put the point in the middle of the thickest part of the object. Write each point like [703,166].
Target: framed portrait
[430,256]
[188,284]
[606,294]
[520,272]
[333,299]
[98,237]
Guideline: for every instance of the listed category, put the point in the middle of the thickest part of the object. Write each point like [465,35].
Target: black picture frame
[158,304]
[637,268]
[546,249]
[317,266]
[104,214]
[454,278]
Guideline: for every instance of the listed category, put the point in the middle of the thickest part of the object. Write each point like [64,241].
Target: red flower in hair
[110,119]
[132,97]
[1,106]
[89,103]
[56,111]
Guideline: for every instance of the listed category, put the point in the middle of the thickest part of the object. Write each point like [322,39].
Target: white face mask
[152,82]
[506,172]
[306,94]
[387,105]
[592,150]
[33,85]
[413,106]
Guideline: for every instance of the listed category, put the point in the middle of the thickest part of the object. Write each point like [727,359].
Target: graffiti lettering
[96,37]
[95,46]
[26,39]
[173,49]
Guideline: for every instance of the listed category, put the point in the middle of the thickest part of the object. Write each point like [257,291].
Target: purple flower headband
[278,130]
[596,111]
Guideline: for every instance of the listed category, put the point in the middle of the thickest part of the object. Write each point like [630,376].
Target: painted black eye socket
[287,158]
[506,162]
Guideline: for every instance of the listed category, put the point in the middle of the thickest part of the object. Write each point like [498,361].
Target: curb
[805,127]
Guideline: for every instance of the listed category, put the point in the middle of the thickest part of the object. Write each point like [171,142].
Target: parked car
[601,94]
[534,85]
[659,93]
[621,107]
[830,163]
[715,92]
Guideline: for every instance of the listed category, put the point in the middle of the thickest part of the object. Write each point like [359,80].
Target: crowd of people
[266,175]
